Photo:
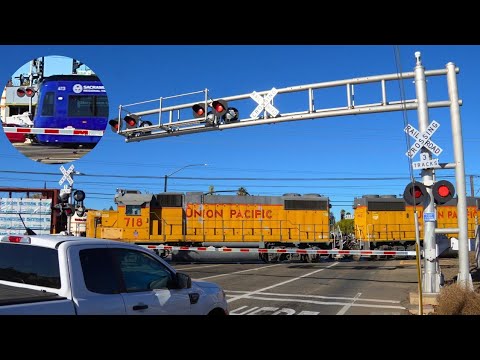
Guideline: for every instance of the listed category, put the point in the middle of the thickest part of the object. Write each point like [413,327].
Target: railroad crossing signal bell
[415,193]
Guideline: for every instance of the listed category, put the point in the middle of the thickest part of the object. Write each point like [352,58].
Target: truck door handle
[140,307]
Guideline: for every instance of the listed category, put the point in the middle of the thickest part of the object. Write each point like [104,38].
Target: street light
[166,176]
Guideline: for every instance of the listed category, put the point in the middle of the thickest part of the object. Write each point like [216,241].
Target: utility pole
[464,278]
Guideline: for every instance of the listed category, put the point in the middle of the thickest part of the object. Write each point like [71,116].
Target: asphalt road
[344,287]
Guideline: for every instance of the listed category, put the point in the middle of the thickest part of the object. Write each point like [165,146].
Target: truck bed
[10,295]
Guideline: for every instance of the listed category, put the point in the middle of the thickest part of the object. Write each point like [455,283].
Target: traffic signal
[29,92]
[415,193]
[21,92]
[79,195]
[198,110]
[80,210]
[58,208]
[443,191]
[68,209]
[219,110]
[64,197]
[131,121]
[219,107]
[114,125]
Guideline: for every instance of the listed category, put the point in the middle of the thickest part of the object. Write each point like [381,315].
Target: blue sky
[364,146]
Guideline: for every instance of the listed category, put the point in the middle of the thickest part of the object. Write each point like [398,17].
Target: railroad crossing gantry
[143,124]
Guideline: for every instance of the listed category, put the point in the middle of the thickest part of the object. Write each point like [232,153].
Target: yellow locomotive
[197,219]
[387,222]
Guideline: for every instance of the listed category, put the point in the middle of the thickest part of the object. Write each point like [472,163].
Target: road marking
[346,307]
[238,272]
[279,284]
[276,311]
[332,303]
[316,296]
[198,267]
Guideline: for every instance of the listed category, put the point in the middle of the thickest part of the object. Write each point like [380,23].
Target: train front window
[48,104]
[88,106]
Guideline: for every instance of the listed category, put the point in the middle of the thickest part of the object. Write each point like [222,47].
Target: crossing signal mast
[154,119]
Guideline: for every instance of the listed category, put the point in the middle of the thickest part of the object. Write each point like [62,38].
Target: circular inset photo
[54,109]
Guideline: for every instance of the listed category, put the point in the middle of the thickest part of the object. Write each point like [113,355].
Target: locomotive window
[47,106]
[92,106]
[169,200]
[305,205]
[385,206]
[133,210]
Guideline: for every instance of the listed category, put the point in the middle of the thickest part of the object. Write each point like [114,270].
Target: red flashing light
[443,191]
[415,193]
[20,92]
[219,108]
[198,110]
[29,92]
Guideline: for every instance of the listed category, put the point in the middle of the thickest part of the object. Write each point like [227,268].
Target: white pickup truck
[67,275]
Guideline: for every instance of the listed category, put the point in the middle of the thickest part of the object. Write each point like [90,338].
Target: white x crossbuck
[423,140]
[66,175]
[264,103]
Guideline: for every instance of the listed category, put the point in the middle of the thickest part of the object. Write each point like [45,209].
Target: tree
[242,191]
[342,214]
[346,226]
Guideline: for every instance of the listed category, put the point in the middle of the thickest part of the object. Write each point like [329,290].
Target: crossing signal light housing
[219,107]
[131,121]
[29,92]
[231,115]
[443,191]
[21,92]
[64,197]
[79,195]
[415,193]
[198,110]
[80,210]
[68,209]
[114,125]
[58,208]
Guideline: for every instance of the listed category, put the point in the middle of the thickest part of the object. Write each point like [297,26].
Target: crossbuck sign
[423,140]
[66,175]
[264,103]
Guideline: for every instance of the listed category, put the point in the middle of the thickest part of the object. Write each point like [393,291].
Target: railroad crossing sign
[423,139]
[425,162]
[264,103]
[66,175]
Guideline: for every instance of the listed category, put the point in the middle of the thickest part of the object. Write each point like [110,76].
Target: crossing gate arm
[281,251]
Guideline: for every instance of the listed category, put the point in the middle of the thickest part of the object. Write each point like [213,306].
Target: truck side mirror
[184,281]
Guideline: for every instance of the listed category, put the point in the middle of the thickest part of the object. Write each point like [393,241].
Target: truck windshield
[28,264]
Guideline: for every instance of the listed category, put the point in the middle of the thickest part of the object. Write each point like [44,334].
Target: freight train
[381,222]
[386,222]
[197,219]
